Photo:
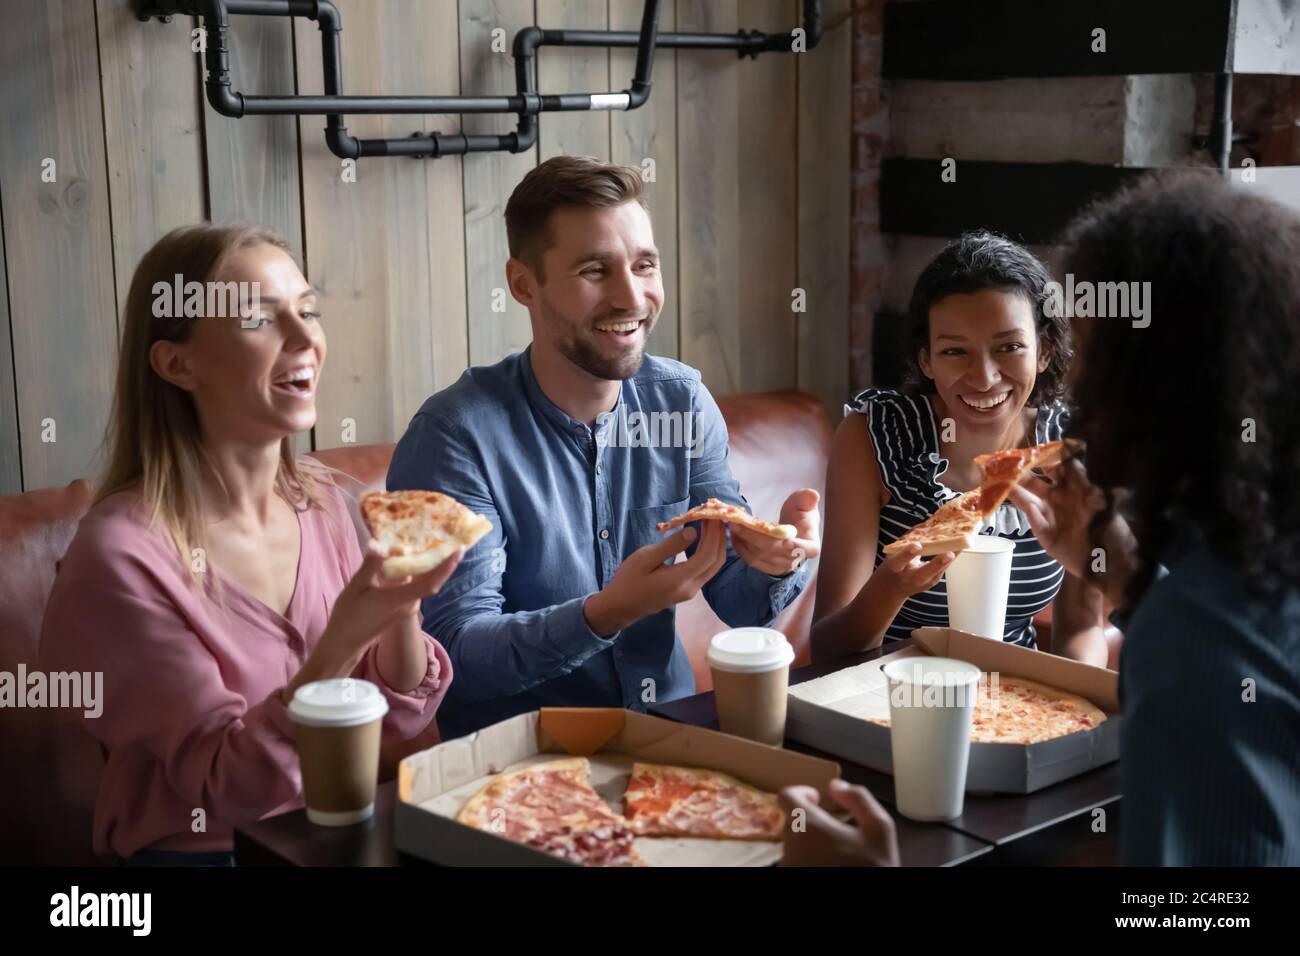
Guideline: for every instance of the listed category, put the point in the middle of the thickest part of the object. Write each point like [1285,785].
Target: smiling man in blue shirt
[575,449]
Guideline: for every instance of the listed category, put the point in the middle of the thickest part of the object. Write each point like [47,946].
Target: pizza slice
[958,522]
[952,528]
[688,802]
[715,510]
[418,530]
[552,807]
[1003,470]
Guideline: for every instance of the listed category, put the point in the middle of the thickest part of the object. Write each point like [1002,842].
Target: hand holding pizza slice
[958,522]
[773,548]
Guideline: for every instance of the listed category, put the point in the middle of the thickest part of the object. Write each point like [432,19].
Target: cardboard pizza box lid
[1097,684]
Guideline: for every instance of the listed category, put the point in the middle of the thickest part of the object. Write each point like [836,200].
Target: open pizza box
[828,713]
[434,785]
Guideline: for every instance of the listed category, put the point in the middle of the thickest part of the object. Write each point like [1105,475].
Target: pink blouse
[191,716]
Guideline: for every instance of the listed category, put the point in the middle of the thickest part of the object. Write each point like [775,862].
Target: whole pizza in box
[1016,710]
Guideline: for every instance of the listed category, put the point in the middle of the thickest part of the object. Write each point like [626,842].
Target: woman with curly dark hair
[987,367]
[1188,519]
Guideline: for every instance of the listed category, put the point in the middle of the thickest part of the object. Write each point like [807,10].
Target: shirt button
[604,534]
[598,469]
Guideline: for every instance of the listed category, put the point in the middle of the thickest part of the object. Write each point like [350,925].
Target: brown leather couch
[50,766]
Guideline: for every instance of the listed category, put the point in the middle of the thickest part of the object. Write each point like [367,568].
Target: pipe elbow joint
[812,23]
[225,100]
[525,137]
[527,41]
[341,144]
[638,94]
[327,16]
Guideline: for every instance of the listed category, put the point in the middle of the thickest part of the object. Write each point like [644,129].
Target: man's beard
[582,351]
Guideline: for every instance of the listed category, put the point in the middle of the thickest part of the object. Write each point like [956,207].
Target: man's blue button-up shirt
[568,503]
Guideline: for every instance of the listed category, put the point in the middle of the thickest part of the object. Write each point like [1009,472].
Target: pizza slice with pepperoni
[690,802]
[958,522]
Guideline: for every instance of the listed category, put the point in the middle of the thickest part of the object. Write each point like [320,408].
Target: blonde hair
[153,439]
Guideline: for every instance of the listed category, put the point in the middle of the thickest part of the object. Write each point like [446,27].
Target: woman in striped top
[987,369]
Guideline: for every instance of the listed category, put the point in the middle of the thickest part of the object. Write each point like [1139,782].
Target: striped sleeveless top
[906,437]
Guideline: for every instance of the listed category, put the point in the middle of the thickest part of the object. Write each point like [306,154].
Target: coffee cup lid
[922,669]
[339,702]
[750,649]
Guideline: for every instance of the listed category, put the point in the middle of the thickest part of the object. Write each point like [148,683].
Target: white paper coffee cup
[978,581]
[751,677]
[931,702]
[338,725]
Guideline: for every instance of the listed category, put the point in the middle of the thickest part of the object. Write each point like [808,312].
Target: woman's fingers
[900,560]
[934,568]
[429,582]
[1035,509]
[372,561]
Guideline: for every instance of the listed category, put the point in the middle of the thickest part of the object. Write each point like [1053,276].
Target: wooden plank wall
[749,199]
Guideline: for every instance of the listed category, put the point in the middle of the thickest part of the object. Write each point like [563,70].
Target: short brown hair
[573,182]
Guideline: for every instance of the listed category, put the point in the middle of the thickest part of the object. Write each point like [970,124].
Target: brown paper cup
[751,677]
[338,725]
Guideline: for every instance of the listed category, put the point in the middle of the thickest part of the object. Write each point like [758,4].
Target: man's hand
[778,556]
[645,585]
[815,838]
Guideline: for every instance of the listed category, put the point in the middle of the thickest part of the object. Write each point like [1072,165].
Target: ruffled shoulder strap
[903,433]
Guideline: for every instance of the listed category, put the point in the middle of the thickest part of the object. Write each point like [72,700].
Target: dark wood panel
[1029,202]
[957,39]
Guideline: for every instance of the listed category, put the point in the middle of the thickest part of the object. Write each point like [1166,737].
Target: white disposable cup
[338,724]
[751,676]
[931,702]
[978,581]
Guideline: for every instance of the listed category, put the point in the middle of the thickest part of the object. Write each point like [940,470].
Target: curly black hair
[984,260]
[1167,410]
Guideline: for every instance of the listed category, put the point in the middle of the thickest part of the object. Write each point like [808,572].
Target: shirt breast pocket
[643,523]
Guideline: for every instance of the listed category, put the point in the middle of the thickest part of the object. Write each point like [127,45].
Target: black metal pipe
[526,102]
[305,105]
[639,91]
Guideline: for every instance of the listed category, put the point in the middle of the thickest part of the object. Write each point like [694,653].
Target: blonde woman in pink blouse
[216,573]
